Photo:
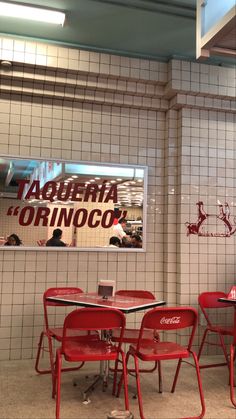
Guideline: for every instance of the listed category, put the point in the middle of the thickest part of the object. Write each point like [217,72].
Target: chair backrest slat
[136,294]
[210,305]
[210,299]
[93,319]
[52,292]
[169,318]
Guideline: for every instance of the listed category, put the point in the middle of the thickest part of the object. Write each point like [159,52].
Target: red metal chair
[55,333]
[210,307]
[72,350]
[166,319]
[131,335]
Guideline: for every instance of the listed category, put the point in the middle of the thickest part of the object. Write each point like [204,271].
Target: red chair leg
[58,384]
[115,369]
[202,343]
[157,364]
[120,384]
[176,375]
[51,357]
[54,382]
[222,344]
[140,401]
[159,376]
[231,376]
[38,354]
[125,375]
[224,350]
[199,386]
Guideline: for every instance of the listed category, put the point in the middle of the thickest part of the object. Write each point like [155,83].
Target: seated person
[114,242]
[126,242]
[13,240]
[56,239]
[136,241]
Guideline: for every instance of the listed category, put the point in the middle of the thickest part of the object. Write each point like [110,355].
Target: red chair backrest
[136,294]
[52,292]
[210,299]
[170,318]
[93,319]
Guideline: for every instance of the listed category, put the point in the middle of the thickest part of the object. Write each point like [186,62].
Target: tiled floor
[26,395]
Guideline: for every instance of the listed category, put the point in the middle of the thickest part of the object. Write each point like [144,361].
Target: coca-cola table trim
[122,303]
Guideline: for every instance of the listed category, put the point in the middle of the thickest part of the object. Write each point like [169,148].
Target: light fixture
[22,11]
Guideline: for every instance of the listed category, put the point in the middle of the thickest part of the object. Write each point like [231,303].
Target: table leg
[103,373]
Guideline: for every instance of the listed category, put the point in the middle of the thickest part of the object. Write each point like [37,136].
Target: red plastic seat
[210,307]
[73,350]
[166,319]
[56,333]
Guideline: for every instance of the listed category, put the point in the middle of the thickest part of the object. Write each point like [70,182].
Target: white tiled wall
[208,152]
[176,118]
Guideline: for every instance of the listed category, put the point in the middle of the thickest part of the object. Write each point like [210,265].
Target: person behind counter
[118,229]
[56,239]
[13,240]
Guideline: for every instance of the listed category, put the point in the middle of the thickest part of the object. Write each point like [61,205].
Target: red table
[122,303]
[232,349]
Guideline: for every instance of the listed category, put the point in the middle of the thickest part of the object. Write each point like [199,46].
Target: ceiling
[156,29]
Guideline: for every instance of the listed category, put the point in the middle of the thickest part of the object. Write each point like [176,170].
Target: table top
[122,303]
[227,300]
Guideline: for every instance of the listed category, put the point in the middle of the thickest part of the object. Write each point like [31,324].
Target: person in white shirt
[118,229]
